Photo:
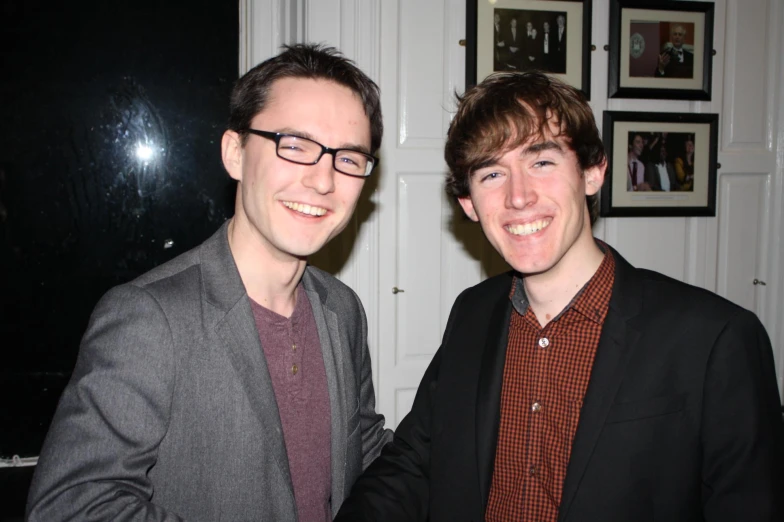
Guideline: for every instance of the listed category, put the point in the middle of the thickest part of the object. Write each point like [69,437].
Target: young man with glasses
[234,382]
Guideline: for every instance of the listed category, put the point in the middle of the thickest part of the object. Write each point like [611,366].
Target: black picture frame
[481,57]
[692,189]
[634,23]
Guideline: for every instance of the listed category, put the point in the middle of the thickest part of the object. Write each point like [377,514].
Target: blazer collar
[620,334]
[313,284]
[221,281]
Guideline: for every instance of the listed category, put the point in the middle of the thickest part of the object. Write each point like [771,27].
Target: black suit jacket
[676,69]
[681,420]
[558,50]
[652,176]
[514,59]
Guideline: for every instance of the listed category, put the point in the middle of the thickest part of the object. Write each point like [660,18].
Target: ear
[594,178]
[231,153]
[468,207]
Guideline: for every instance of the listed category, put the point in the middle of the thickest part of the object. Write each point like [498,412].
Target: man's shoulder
[172,287]
[186,266]
[174,268]
[661,292]
[171,282]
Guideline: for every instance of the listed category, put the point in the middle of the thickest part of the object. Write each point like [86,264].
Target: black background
[83,84]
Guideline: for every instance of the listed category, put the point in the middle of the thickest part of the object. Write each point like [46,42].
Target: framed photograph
[661,50]
[660,164]
[553,36]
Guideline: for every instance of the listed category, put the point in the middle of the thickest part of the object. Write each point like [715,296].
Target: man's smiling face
[530,202]
[293,210]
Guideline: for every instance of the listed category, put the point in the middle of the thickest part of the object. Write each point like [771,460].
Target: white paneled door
[422,265]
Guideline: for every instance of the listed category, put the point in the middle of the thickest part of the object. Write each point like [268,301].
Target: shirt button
[532,470]
[293,346]
[544,342]
[294,369]
[536,407]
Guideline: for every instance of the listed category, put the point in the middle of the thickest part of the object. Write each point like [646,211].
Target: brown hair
[309,61]
[508,109]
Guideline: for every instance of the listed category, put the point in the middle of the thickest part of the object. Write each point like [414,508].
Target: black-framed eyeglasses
[304,151]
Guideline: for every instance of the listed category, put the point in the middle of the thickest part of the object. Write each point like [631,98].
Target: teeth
[305,209]
[528,228]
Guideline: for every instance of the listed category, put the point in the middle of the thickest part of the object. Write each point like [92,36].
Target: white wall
[405,236]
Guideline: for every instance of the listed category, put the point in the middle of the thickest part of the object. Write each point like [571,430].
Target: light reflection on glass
[144,152]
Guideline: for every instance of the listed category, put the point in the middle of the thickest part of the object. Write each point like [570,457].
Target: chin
[531,265]
[301,249]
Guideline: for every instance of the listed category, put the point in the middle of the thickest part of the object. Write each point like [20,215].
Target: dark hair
[508,109]
[309,61]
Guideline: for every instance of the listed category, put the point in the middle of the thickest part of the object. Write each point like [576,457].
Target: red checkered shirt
[545,378]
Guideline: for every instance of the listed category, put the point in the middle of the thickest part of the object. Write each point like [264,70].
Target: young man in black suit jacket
[576,387]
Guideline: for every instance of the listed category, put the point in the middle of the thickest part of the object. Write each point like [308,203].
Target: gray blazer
[170,413]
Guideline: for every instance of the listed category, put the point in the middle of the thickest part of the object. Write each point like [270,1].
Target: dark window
[111,115]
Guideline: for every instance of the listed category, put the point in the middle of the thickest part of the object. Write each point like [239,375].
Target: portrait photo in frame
[553,36]
[660,50]
[659,164]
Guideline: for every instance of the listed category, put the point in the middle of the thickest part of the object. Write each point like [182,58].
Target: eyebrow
[536,148]
[489,162]
[308,136]
[541,147]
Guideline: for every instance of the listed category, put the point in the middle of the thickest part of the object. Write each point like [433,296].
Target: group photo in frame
[553,36]
[659,164]
[661,50]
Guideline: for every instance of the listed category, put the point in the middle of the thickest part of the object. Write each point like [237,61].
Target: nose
[520,191]
[321,176]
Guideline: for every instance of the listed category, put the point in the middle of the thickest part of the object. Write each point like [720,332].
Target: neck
[270,277]
[551,291]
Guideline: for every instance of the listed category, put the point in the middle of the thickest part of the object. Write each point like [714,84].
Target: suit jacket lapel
[488,401]
[228,309]
[239,334]
[619,336]
[332,351]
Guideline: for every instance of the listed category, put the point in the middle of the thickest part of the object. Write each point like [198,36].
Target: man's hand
[664,60]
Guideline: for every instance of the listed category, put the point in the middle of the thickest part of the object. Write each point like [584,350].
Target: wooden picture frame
[643,181]
[494,45]
[661,50]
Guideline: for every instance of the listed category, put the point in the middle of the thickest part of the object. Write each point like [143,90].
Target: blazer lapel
[333,354]
[616,344]
[234,325]
[488,401]
[239,334]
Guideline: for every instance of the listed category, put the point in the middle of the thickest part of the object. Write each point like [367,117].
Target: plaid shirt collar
[585,299]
